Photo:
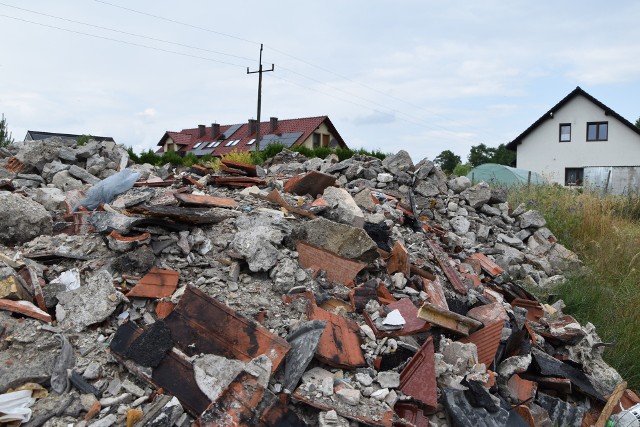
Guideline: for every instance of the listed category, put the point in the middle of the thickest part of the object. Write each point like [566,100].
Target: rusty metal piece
[200,170]
[26,308]
[14,165]
[374,414]
[198,200]
[399,260]
[156,283]
[313,183]
[490,267]
[249,169]
[409,312]
[238,181]
[612,402]
[448,319]
[276,197]
[487,341]
[449,271]
[201,324]
[340,342]
[188,215]
[535,312]
[435,293]
[338,269]
[418,378]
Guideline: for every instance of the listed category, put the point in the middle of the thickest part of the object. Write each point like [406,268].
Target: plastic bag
[107,189]
[15,406]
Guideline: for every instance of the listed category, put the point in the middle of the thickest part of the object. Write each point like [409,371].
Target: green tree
[504,156]
[462,169]
[638,122]
[481,154]
[447,160]
[5,135]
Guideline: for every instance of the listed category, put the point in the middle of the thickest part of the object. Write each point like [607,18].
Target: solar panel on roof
[286,139]
[230,131]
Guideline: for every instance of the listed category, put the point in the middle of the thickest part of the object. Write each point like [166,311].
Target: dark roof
[289,132]
[38,135]
[549,114]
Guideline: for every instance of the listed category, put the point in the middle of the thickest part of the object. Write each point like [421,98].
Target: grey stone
[459,184]
[344,240]
[51,198]
[342,207]
[64,181]
[364,200]
[399,162]
[89,149]
[256,239]
[214,373]
[92,371]
[96,164]
[460,224]
[22,219]
[138,261]
[91,303]
[513,365]
[423,169]
[349,396]
[490,210]
[477,195]
[498,195]
[283,275]
[67,154]
[36,154]
[364,379]
[519,210]
[388,379]
[385,177]
[25,183]
[511,241]
[83,175]
[427,189]
[304,342]
[482,232]
[532,218]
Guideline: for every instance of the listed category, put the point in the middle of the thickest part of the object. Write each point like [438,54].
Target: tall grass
[605,232]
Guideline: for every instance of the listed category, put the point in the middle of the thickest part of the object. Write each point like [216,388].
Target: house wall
[542,152]
[322,130]
[169,145]
[617,180]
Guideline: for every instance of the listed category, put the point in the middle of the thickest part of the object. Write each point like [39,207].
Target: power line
[121,41]
[125,32]
[177,22]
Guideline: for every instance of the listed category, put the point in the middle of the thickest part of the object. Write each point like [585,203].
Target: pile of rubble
[307,292]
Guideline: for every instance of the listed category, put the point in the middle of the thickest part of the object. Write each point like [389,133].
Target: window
[235,142]
[325,140]
[228,144]
[565,132]
[597,131]
[251,142]
[197,145]
[316,140]
[573,176]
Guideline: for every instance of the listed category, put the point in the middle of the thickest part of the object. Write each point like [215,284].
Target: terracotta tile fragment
[418,378]
[535,312]
[526,415]
[338,269]
[629,399]
[313,183]
[93,411]
[14,165]
[449,271]
[521,390]
[249,169]
[188,180]
[156,283]
[487,341]
[164,308]
[488,313]
[204,200]
[447,319]
[233,171]
[202,324]
[26,308]
[487,265]
[412,413]
[435,293]
[409,312]
[200,170]
[340,342]
[364,293]
[399,260]
[238,181]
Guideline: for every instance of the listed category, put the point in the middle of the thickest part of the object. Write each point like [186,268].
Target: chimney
[253,126]
[215,130]
[200,131]
[273,124]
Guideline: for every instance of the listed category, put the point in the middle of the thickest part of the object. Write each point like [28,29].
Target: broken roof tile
[26,308]
[238,181]
[340,342]
[488,313]
[487,341]
[398,261]
[183,214]
[521,390]
[418,378]
[313,183]
[204,200]
[409,312]
[338,269]
[449,271]
[487,264]
[249,169]
[435,293]
[202,324]
[535,312]
[164,308]
[412,413]
[447,319]
[156,283]
[14,165]
[188,180]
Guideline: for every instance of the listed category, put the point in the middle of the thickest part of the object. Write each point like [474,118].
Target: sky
[420,75]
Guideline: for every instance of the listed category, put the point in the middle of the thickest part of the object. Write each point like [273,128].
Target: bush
[149,157]
[190,159]
[83,139]
[238,156]
[170,157]
[133,156]
[462,169]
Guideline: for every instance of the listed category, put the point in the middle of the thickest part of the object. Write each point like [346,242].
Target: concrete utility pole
[260,71]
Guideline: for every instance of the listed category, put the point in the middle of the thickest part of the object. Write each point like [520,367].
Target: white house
[582,142]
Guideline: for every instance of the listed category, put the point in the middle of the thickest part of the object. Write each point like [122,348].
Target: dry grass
[605,233]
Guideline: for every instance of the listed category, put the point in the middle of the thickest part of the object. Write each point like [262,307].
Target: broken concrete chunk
[477,195]
[22,219]
[304,343]
[341,239]
[533,219]
[256,239]
[399,162]
[89,304]
[463,413]
[214,373]
[342,207]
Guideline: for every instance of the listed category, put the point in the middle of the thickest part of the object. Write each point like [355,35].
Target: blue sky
[423,76]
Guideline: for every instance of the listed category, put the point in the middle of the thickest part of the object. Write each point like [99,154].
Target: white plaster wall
[542,152]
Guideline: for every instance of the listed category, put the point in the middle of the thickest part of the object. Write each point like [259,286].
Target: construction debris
[318,293]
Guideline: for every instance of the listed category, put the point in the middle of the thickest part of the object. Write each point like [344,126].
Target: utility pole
[260,71]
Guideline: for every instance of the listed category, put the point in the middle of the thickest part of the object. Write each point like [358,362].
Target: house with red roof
[218,140]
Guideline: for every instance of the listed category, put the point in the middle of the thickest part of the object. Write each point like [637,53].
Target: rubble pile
[304,292]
